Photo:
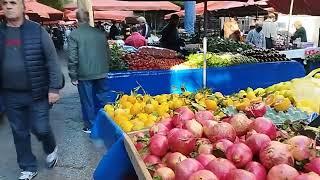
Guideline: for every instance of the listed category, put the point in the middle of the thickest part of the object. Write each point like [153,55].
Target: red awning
[300,7]
[217,5]
[114,5]
[103,15]
[35,9]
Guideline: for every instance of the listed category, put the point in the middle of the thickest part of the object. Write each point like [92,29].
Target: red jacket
[136,40]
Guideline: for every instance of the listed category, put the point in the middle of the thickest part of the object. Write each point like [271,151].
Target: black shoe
[86,130]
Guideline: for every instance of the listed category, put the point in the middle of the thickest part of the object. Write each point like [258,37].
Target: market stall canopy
[225,7]
[300,7]
[115,5]
[103,15]
[35,9]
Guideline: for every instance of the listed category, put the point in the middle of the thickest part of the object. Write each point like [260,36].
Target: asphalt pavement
[78,156]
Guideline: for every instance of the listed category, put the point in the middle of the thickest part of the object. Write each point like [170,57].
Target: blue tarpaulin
[116,164]
[225,79]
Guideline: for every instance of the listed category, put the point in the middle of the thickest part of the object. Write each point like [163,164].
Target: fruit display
[117,63]
[142,61]
[221,45]
[195,144]
[158,52]
[265,55]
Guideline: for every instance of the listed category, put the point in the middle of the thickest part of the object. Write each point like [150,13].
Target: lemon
[126,126]
[149,123]
[251,95]
[198,96]
[126,105]
[149,108]
[211,105]
[136,109]
[282,104]
[132,99]
[137,125]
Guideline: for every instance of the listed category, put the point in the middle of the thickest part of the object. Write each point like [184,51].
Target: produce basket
[137,162]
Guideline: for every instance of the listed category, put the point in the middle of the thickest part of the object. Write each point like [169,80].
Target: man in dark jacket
[30,82]
[170,35]
[89,57]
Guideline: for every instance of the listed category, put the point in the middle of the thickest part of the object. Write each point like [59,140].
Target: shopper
[144,27]
[89,57]
[136,39]
[30,82]
[270,30]
[256,38]
[114,31]
[170,35]
[230,27]
[300,32]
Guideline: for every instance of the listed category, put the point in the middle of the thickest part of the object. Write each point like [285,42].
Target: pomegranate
[257,169]
[151,160]
[159,145]
[222,145]
[220,167]
[308,176]
[240,123]
[221,130]
[181,116]
[256,110]
[194,127]
[255,142]
[313,165]
[139,145]
[282,172]
[240,154]
[251,132]
[164,173]
[186,168]
[202,116]
[181,141]
[174,159]
[203,175]
[158,128]
[275,153]
[165,158]
[204,159]
[265,126]
[167,122]
[207,126]
[302,147]
[205,148]
[240,174]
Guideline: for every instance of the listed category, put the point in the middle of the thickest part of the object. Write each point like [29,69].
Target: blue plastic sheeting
[190,16]
[115,164]
[227,80]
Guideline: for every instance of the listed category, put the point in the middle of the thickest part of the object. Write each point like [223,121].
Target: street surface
[78,157]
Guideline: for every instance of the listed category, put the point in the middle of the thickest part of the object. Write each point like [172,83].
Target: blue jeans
[93,96]
[25,115]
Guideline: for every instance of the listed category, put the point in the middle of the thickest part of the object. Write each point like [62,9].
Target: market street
[78,157]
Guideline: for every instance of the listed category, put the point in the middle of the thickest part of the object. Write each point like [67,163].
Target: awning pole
[290,18]
[204,75]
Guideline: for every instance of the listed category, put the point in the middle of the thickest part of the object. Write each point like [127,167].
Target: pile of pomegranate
[196,146]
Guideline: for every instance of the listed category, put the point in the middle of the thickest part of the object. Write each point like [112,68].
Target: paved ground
[78,156]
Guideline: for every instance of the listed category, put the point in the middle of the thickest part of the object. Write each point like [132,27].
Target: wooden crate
[136,160]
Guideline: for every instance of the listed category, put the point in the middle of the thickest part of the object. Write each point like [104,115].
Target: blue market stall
[116,164]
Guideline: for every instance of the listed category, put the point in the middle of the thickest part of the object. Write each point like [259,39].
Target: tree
[57,4]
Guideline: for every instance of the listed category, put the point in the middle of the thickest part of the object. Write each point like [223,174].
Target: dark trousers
[269,43]
[93,96]
[25,115]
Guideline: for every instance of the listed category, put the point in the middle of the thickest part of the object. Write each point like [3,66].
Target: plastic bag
[307,92]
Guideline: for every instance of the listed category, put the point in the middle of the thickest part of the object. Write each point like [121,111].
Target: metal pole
[290,18]
[204,75]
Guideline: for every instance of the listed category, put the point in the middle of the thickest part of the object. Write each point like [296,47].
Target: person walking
[30,82]
[170,35]
[270,30]
[88,65]
[145,30]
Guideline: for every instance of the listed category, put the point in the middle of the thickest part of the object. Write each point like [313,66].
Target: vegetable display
[220,45]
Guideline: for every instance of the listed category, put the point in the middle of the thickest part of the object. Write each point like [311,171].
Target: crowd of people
[262,34]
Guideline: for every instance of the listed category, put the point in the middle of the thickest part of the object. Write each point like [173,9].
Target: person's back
[91,50]
[136,39]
